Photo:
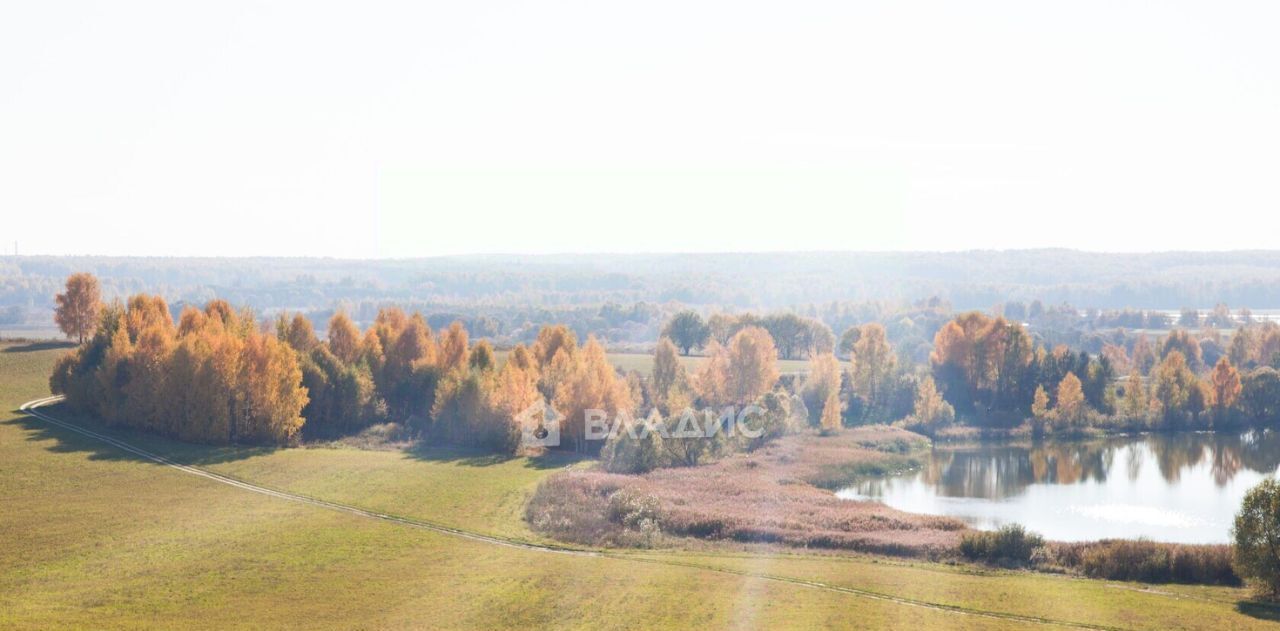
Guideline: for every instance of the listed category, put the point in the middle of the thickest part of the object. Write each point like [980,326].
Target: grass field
[93,537]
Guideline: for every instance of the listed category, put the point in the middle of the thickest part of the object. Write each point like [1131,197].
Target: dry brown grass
[1147,561]
[767,496]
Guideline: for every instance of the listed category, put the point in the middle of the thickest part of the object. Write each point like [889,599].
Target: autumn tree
[872,367]
[591,384]
[551,341]
[822,380]
[752,365]
[1071,409]
[1182,342]
[344,338]
[523,357]
[1040,405]
[711,380]
[79,306]
[1135,397]
[669,384]
[1172,388]
[977,360]
[299,334]
[1143,355]
[1117,356]
[454,348]
[145,311]
[1225,382]
[272,397]
[830,419]
[515,390]
[930,410]
[410,371]
[1268,345]
[739,373]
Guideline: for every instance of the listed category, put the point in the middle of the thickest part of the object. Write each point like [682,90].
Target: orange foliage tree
[78,308]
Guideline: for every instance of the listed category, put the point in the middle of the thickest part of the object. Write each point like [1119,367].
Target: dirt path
[32,408]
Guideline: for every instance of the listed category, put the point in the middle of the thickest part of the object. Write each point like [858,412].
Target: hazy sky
[425,128]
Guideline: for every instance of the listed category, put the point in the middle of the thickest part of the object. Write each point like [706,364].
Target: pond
[1183,487]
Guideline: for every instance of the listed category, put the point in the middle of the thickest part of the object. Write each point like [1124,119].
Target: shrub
[1010,546]
[634,449]
[631,509]
[1147,561]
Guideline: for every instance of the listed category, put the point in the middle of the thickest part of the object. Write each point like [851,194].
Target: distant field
[92,537]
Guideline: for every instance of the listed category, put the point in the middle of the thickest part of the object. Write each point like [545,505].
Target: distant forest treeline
[625,299]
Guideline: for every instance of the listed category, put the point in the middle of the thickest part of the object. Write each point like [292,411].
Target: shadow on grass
[67,441]
[31,347]
[1259,610]
[470,457]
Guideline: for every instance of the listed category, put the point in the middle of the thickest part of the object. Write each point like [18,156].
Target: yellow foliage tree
[752,365]
[1135,396]
[930,409]
[822,380]
[551,341]
[454,351]
[344,338]
[1226,387]
[872,364]
[591,383]
[1040,404]
[79,306]
[670,383]
[830,419]
[1071,410]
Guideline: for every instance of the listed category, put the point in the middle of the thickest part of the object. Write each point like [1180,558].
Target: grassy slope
[89,537]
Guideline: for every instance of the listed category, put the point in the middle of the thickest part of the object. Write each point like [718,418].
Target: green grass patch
[838,476]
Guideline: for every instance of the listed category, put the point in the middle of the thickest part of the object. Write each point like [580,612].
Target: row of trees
[218,375]
[993,374]
[794,337]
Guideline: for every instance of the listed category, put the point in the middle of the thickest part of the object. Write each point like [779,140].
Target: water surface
[1182,487]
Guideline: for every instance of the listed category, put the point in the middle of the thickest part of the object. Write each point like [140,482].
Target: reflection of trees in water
[1260,451]
[994,472]
[1175,452]
[1133,461]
